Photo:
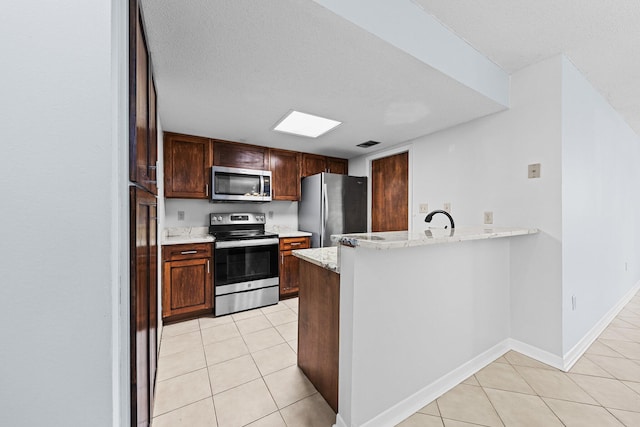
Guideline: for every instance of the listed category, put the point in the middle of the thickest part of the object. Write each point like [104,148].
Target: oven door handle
[246,243]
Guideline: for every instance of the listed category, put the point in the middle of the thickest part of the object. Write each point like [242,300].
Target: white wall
[482,166]
[196,212]
[61,205]
[586,202]
[405,326]
[601,206]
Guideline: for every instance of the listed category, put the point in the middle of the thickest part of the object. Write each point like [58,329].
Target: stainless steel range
[246,272]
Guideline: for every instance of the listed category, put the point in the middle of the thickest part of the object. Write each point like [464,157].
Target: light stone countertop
[322,257]
[186,235]
[404,239]
[284,231]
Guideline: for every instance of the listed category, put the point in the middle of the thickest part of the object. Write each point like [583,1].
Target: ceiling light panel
[304,124]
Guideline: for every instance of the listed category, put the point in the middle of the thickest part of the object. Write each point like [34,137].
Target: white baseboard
[536,353]
[572,356]
[413,403]
[340,422]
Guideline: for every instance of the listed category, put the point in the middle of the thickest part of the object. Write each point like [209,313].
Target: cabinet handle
[188,252]
[208,271]
[206,189]
[282,259]
[295,244]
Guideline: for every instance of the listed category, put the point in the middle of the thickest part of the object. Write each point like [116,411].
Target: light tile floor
[240,370]
[236,370]
[602,389]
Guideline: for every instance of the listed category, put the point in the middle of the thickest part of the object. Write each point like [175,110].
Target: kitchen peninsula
[418,313]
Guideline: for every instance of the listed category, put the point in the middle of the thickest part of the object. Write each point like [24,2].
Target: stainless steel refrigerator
[332,204]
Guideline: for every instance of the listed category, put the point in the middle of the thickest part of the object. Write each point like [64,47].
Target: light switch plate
[424,208]
[534,170]
[180,215]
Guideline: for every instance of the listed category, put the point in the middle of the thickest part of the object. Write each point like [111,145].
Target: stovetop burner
[238,226]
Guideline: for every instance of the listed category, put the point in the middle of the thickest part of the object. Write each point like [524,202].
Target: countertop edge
[326,258]
[415,239]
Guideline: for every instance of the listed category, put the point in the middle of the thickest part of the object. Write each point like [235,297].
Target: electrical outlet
[424,208]
[447,207]
[488,217]
[270,214]
[180,215]
[534,170]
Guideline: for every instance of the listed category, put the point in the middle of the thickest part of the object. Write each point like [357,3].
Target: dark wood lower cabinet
[144,303]
[289,272]
[319,329]
[187,280]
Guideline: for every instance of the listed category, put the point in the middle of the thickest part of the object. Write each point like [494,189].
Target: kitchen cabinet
[336,165]
[187,283]
[237,155]
[187,166]
[313,164]
[143,302]
[143,225]
[188,160]
[289,275]
[142,112]
[285,174]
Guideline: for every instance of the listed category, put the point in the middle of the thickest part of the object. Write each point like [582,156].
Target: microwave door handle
[262,186]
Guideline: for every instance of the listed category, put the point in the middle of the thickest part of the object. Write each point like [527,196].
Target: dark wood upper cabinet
[313,164]
[188,160]
[237,155]
[336,165]
[285,173]
[142,110]
[187,166]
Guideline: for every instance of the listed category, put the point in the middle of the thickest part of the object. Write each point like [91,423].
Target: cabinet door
[187,287]
[313,164]
[285,174]
[142,141]
[143,303]
[289,276]
[335,165]
[187,166]
[236,155]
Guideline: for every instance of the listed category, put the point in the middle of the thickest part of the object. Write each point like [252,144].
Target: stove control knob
[219,218]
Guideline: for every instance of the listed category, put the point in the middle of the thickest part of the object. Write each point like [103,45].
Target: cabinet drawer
[292,243]
[186,251]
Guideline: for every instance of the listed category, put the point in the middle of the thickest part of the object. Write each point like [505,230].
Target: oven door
[238,262]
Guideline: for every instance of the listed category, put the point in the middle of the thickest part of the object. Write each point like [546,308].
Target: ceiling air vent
[368,144]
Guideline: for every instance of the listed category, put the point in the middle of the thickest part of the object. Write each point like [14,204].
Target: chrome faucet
[430,215]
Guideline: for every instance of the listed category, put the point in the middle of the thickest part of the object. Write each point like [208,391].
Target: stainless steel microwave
[240,185]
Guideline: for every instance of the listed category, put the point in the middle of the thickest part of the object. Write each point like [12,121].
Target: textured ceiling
[232,69]
[600,37]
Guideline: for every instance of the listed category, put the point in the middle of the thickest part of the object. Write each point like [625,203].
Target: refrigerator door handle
[325,206]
